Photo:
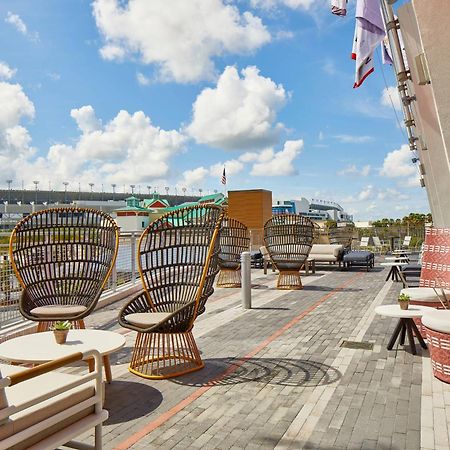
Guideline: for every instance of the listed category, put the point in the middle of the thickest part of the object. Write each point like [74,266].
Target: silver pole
[403,74]
[133,258]
[246,280]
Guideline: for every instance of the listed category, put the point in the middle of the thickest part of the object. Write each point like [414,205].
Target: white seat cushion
[320,257]
[146,320]
[327,249]
[43,385]
[5,371]
[424,294]
[58,310]
[437,320]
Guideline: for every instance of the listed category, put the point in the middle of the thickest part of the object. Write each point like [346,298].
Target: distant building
[314,209]
[132,217]
[363,224]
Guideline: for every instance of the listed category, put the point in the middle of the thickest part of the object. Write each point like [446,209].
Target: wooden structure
[62,257]
[234,239]
[288,239]
[253,208]
[342,235]
[178,262]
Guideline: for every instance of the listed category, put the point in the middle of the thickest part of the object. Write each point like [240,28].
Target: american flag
[224,177]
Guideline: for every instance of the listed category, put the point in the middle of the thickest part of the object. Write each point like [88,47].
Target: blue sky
[164,93]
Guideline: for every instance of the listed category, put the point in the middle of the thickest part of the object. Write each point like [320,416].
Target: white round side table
[38,348]
[405,324]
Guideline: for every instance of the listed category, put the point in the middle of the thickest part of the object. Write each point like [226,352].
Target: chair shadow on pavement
[145,399]
[272,371]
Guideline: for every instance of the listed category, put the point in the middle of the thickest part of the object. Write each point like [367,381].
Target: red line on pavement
[147,429]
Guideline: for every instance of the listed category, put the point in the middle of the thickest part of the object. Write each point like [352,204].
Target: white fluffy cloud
[390,96]
[351,139]
[352,169]
[271,4]
[16,22]
[15,142]
[270,163]
[181,37]
[19,25]
[232,167]
[85,118]
[194,177]
[15,105]
[142,79]
[6,73]
[240,112]
[127,149]
[398,163]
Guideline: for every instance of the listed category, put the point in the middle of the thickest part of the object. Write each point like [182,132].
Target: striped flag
[369,32]
[224,177]
[339,7]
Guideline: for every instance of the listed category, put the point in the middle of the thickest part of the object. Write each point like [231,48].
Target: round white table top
[395,311]
[390,264]
[42,347]
[396,258]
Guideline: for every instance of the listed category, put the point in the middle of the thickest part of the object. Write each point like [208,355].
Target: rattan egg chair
[342,235]
[178,262]
[317,233]
[62,257]
[288,238]
[234,239]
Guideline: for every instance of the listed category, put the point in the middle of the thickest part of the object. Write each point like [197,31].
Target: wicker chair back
[63,257]
[178,258]
[342,235]
[288,238]
[234,239]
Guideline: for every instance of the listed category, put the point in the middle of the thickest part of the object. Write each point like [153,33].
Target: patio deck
[275,376]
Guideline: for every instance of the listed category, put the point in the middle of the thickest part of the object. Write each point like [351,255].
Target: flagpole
[224,181]
[401,72]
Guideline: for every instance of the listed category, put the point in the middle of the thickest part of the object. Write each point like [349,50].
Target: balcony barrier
[124,273]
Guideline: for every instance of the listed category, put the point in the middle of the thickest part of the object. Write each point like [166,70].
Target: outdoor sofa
[41,408]
[331,253]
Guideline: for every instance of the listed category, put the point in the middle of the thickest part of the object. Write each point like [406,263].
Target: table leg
[394,337]
[389,274]
[394,273]
[412,344]
[107,366]
[91,364]
[418,335]
[402,278]
[402,336]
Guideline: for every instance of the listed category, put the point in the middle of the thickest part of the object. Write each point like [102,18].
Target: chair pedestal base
[289,279]
[165,355]
[229,278]
[46,326]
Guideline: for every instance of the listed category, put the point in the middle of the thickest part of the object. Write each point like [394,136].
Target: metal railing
[124,272]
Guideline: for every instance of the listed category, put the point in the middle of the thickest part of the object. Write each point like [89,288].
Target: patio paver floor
[275,376]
